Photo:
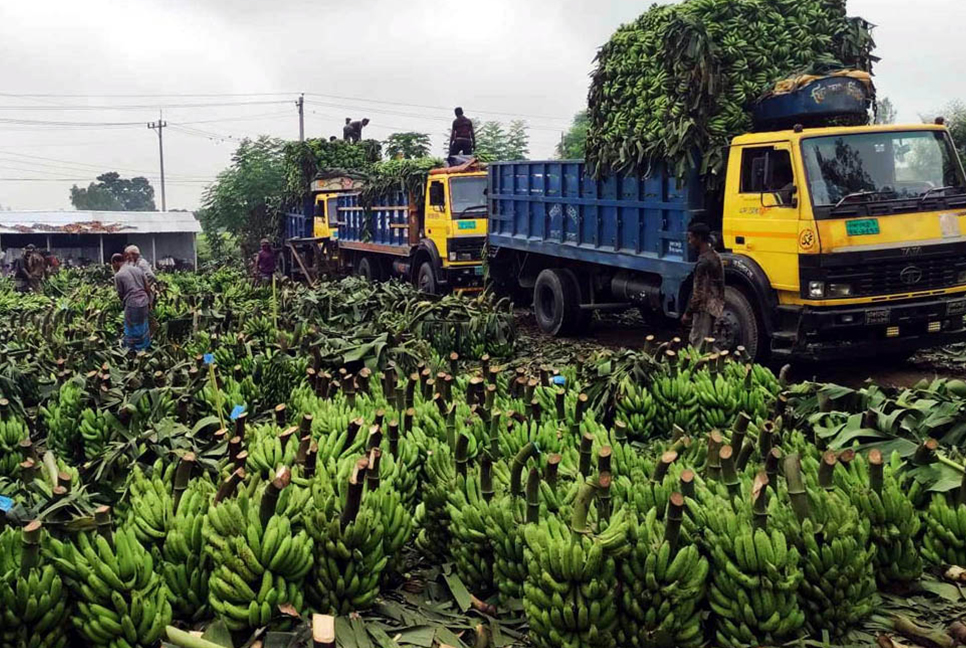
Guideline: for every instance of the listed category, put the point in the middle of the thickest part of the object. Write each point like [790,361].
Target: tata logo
[911,251]
[910,275]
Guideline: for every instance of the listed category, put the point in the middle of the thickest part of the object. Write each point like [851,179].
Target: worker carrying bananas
[352,131]
[707,294]
[462,137]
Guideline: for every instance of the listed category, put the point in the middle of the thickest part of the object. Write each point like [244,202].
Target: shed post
[194,246]
[48,242]
[154,252]
[100,240]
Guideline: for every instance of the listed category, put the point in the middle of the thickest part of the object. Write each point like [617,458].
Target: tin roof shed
[97,222]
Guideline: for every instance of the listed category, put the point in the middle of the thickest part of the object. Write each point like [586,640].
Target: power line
[413,105]
[77,166]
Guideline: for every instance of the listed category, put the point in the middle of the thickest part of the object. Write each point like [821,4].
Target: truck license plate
[466,224]
[877,316]
[479,271]
[862,227]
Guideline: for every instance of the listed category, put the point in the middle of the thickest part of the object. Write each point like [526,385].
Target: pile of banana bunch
[349,536]
[119,599]
[570,593]
[677,84]
[260,554]
[833,539]
[13,430]
[186,565]
[881,493]
[150,505]
[756,574]
[664,581]
[61,417]
[944,542]
[35,601]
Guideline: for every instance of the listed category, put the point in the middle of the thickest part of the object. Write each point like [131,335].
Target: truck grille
[899,275]
[468,248]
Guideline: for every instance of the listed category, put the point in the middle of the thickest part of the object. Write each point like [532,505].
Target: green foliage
[246,199]
[574,142]
[407,146]
[217,248]
[677,83]
[111,192]
[955,115]
[398,175]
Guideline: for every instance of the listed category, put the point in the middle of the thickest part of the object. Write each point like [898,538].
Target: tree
[407,146]
[246,198]
[574,142]
[495,142]
[955,116]
[111,192]
[885,112]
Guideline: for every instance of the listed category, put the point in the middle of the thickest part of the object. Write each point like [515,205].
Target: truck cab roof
[789,135]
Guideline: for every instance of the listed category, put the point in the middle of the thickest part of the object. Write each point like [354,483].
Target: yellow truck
[435,240]
[837,241]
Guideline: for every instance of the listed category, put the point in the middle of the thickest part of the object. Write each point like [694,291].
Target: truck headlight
[839,290]
[816,289]
[452,256]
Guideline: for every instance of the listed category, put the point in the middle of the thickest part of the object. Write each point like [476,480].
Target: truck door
[761,210]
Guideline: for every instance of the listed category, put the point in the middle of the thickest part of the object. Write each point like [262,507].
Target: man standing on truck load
[462,138]
[707,294]
[347,130]
[353,130]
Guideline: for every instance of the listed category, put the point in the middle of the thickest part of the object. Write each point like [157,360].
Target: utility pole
[301,104]
[160,126]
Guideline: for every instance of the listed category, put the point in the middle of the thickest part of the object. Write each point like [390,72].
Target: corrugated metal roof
[96,222]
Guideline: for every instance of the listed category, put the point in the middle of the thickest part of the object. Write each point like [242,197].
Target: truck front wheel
[738,325]
[556,302]
[369,269]
[426,278]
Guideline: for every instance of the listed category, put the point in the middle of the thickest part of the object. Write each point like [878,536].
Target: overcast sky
[111,64]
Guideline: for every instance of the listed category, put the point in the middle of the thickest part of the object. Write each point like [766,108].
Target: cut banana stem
[533,496]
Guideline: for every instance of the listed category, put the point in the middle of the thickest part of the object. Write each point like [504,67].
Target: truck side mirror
[788,197]
[436,197]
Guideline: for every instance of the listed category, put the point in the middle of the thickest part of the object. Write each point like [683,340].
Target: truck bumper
[463,277]
[870,329]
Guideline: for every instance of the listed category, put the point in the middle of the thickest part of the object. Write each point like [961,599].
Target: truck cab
[326,221]
[434,238]
[846,240]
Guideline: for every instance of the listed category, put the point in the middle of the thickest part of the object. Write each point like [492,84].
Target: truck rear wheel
[426,278]
[369,269]
[738,325]
[556,302]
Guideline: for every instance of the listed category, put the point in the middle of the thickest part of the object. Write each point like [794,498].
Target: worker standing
[355,130]
[462,138]
[35,268]
[132,287]
[707,294]
[133,252]
[347,130]
[265,263]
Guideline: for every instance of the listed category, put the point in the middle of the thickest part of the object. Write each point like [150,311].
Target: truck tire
[556,302]
[369,269]
[738,325]
[426,278]
[585,317]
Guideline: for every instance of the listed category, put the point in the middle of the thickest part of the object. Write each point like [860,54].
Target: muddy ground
[613,331]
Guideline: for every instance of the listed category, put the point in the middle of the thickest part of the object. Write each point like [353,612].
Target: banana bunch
[400,469]
[349,537]
[267,451]
[837,557]
[945,539]
[186,565]
[96,429]
[151,506]
[12,431]
[887,502]
[718,400]
[119,599]
[35,602]
[570,592]
[677,403]
[471,546]
[756,576]
[397,522]
[664,582]
[62,418]
[277,373]
[636,408]
[259,555]
[432,517]
[506,517]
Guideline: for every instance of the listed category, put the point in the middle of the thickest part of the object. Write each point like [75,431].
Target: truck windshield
[892,166]
[468,195]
